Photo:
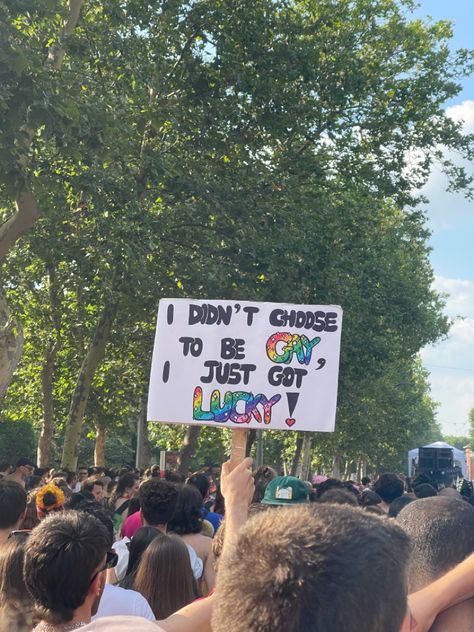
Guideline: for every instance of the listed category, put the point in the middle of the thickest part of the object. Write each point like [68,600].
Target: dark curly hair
[158,500]
[188,514]
[61,556]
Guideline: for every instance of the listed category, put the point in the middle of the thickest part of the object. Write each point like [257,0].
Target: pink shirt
[131,525]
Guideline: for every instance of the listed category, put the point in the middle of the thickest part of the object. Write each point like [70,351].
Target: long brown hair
[16,609]
[165,577]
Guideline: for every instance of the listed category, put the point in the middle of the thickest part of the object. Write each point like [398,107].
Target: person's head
[368,498]
[170,475]
[388,486]
[137,546]
[339,497]
[158,500]
[25,467]
[374,509]
[71,479]
[328,483]
[262,476]
[201,482]
[82,474]
[365,480]
[12,586]
[14,598]
[442,533]
[450,492]
[65,559]
[187,517]
[399,503]
[425,490]
[12,504]
[127,485]
[62,484]
[164,576]
[95,486]
[5,468]
[93,508]
[314,567]
[286,490]
[49,498]
[421,478]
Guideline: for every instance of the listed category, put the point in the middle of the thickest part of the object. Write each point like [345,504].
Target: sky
[451,220]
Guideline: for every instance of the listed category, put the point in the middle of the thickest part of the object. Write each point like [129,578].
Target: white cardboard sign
[246,364]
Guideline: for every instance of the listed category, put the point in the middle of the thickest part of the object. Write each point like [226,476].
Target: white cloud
[451,362]
[446,209]
[463,112]
[460,300]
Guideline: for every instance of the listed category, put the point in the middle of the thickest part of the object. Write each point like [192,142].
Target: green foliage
[251,150]
[471,426]
[457,441]
[17,439]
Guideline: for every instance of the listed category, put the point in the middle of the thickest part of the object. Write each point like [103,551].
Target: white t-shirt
[121,548]
[122,624]
[119,601]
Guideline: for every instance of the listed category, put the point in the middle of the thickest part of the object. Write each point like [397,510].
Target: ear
[97,585]
[21,518]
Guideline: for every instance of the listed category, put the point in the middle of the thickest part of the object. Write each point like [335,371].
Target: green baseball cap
[285,490]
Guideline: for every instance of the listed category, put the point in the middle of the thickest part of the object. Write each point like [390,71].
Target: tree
[471,426]
[254,150]
[24,107]
[457,441]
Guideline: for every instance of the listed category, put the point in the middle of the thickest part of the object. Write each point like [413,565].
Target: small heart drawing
[290,422]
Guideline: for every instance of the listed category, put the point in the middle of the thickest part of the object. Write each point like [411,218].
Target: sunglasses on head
[12,534]
[110,562]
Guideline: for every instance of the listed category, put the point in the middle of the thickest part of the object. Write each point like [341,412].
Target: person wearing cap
[23,469]
[286,490]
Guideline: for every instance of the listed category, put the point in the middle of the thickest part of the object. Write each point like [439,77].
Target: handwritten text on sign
[257,365]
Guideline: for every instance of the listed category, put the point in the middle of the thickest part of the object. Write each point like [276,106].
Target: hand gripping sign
[246,365]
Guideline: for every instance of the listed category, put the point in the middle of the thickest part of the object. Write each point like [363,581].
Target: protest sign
[242,364]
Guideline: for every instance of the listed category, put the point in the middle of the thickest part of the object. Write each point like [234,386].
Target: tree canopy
[254,150]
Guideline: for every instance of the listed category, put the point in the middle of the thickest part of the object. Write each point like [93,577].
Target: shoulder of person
[122,624]
[120,601]
[196,562]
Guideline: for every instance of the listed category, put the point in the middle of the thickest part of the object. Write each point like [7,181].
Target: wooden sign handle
[239,445]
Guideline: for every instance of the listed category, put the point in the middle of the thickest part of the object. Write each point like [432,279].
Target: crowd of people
[254,552]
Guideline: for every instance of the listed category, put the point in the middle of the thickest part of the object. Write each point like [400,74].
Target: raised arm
[237,486]
[456,586]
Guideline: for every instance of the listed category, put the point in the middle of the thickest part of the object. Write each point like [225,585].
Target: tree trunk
[99,448]
[20,222]
[297,454]
[47,373]
[47,425]
[336,466]
[188,449]
[11,346]
[306,460]
[93,358]
[143,448]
